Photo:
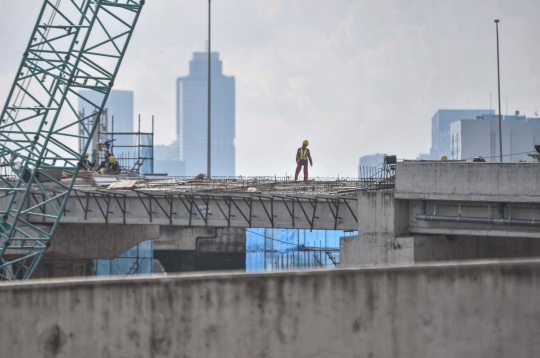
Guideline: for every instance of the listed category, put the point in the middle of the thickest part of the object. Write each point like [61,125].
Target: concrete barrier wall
[510,182]
[467,310]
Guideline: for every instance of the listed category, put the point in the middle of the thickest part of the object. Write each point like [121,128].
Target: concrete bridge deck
[449,211]
[314,205]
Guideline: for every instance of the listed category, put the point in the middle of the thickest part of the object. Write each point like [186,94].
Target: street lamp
[209,158]
[499,85]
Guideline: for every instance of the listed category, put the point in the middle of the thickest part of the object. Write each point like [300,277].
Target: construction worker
[479,159]
[302,156]
[85,164]
[113,167]
[444,157]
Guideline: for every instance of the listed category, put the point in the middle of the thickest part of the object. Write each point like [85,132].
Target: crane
[75,45]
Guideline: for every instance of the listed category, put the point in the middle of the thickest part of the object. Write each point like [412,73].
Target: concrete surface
[381,221]
[61,268]
[201,239]
[240,211]
[407,226]
[89,241]
[487,309]
[503,182]
[529,211]
[452,248]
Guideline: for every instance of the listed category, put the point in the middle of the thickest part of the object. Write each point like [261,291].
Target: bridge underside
[323,212]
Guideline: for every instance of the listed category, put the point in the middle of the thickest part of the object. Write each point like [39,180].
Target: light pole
[209,164]
[499,85]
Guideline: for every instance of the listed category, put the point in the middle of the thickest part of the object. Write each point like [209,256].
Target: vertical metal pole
[112,137]
[152,148]
[209,164]
[499,87]
[139,147]
[320,257]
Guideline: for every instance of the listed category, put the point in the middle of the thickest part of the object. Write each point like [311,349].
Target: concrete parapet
[486,309]
[505,182]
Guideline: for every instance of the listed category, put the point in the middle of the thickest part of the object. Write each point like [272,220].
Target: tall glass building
[192,117]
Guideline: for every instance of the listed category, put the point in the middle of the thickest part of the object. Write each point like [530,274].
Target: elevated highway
[327,205]
[449,211]
[106,216]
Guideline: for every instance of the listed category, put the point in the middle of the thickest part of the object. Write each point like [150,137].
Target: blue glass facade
[282,249]
[137,260]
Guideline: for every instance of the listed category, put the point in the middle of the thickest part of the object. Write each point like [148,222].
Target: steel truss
[75,45]
[159,204]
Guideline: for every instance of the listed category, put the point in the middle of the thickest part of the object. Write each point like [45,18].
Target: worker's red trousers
[298,167]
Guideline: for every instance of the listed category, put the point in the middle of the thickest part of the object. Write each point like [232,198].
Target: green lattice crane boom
[75,45]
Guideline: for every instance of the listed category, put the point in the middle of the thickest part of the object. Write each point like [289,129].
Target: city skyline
[354,78]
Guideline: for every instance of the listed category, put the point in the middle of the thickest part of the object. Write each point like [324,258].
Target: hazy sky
[353,77]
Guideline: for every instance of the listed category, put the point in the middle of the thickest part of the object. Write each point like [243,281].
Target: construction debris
[126,184]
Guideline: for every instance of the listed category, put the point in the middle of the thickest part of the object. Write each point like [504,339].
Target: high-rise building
[440,128]
[481,138]
[192,117]
[167,160]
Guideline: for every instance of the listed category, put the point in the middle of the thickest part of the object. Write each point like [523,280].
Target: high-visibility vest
[303,154]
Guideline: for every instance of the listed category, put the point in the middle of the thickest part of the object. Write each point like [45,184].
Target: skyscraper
[481,137]
[192,117]
[440,128]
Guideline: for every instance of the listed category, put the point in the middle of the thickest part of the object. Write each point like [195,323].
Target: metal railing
[373,179]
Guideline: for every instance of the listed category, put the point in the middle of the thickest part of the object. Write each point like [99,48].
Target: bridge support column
[382,232]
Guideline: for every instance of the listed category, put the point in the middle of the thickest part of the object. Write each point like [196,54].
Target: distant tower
[191,117]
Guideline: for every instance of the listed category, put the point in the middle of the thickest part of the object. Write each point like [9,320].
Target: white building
[440,127]
[481,137]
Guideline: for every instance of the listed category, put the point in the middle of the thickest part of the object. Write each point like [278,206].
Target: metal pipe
[475,220]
